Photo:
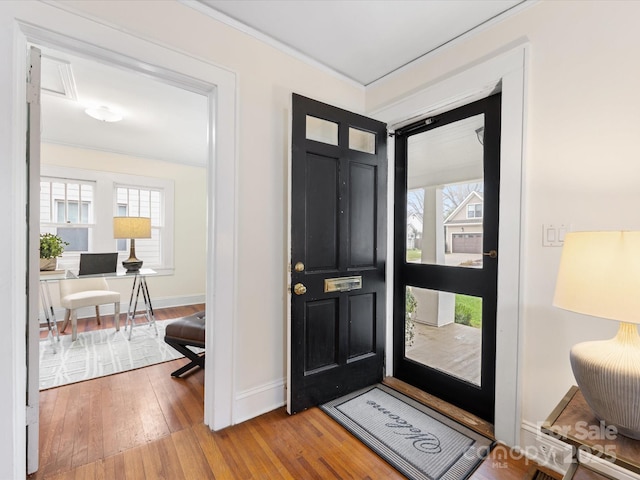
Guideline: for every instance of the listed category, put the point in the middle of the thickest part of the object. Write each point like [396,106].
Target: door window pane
[445,195]
[444,331]
[322,130]
[362,141]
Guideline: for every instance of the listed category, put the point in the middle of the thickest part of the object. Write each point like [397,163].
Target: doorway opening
[110,171]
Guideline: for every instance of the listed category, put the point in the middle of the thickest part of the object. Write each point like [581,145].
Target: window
[66,210]
[135,201]
[474,210]
[79,205]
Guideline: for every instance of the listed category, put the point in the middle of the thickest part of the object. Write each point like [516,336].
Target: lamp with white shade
[599,275]
[132,228]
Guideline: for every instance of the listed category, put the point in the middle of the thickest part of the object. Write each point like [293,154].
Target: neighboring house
[463,227]
[414,231]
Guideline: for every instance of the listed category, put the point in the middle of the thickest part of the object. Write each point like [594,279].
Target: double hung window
[79,205]
[67,210]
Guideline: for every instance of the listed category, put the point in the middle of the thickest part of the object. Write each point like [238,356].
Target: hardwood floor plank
[211,451]
[133,464]
[190,456]
[164,452]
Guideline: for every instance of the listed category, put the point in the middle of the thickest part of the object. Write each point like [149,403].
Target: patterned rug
[419,442]
[102,352]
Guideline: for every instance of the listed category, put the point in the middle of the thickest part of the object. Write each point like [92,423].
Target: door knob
[491,254]
[299,289]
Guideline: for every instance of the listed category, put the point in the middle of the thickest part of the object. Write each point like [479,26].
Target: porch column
[433,308]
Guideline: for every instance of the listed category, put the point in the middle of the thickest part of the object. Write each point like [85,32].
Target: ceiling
[160,121]
[363,40]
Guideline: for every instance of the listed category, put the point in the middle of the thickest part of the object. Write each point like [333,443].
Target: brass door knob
[299,289]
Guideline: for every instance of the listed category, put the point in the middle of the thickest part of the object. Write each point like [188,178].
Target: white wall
[190,228]
[266,78]
[581,162]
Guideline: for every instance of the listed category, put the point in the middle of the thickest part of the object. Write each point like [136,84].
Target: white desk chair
[86,292]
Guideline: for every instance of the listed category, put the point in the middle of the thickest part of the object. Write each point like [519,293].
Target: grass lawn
[414,255]
[470,308]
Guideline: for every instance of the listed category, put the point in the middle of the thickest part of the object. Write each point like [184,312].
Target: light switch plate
[553,234]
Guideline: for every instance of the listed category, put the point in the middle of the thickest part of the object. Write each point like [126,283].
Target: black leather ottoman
[187,332]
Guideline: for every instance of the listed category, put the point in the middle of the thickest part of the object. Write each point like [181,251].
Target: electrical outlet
[552,455]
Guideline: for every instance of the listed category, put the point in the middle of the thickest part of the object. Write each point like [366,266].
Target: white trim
[262,399]
[532,441]
[117,47]
[268,40]
[507,71]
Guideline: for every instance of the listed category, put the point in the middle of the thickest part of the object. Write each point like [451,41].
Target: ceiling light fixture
[104,114]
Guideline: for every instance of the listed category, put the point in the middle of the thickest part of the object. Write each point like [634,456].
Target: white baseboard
[107,309]
[259,400]
[544,449]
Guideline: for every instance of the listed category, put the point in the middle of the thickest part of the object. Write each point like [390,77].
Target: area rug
[102,352]
[416,440]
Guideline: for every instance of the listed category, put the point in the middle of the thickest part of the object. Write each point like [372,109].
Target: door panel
[321,202]
[338,246]
[362,215]
[446,217]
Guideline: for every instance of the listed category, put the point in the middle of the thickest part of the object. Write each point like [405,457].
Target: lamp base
[132,265]
[608,374]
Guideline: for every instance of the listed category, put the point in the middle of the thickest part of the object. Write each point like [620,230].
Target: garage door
[467,243]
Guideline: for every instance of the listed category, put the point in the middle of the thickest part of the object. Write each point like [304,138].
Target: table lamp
[132,228]
[599,275]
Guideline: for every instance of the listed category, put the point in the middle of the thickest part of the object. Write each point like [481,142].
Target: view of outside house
[445,213]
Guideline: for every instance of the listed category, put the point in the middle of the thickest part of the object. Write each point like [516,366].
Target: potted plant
[51,247]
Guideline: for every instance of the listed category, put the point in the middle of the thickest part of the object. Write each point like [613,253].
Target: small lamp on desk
[132,228]
[599,275]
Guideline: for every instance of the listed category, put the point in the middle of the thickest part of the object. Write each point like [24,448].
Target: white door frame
[90,38]
[506,73]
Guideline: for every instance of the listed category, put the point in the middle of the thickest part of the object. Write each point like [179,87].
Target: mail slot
[342,284]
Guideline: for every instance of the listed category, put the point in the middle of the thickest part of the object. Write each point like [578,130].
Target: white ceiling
[160,121]
[361,39]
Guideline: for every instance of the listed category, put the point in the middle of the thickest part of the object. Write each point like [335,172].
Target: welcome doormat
[416,440]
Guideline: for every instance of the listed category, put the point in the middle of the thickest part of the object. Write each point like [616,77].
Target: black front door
[338,245]
[446,246]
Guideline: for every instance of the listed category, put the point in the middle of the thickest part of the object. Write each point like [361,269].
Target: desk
[139,286]
[573,423]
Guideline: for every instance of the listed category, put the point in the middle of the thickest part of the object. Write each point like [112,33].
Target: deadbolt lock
[491,254]
[299,267]
[299,289]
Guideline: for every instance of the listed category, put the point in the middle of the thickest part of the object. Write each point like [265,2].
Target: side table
[593,442]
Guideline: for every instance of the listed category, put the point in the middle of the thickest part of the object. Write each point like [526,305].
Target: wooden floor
[144,424]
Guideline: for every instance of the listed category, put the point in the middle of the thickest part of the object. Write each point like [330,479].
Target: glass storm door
[446,246]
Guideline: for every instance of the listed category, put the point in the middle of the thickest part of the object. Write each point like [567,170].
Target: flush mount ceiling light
[103,114]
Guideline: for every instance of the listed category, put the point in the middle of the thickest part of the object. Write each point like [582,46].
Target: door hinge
[33,93]
[32,415]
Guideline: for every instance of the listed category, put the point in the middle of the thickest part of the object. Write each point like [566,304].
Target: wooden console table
[573,423]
